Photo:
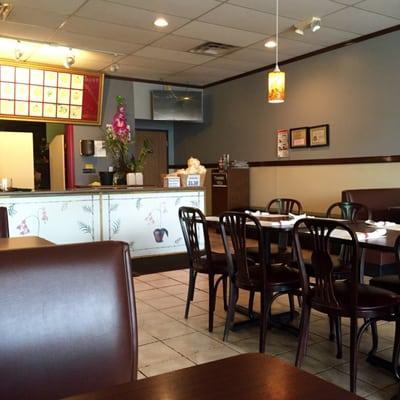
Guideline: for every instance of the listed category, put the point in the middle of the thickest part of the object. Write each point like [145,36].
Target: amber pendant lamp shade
[276,86]
[276,78]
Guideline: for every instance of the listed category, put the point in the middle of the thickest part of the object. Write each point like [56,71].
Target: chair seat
[389,282]
[278,275]
[370,298]
[277,255]
[218,263]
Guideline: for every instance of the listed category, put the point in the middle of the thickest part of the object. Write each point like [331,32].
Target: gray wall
[112,88]
[355,89]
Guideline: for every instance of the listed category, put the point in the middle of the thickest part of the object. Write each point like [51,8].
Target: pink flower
[23,228]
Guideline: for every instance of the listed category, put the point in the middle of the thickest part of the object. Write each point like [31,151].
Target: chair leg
[266,300]
[303,336]
[396,350]
[233,296]
[291,306]
[338,330]
[331,328]
[251,304]
[225,291]
[374,333]
[211,302]
[190,295]
[355,337]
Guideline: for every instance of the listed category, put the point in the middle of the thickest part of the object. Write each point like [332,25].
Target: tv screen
[176,105]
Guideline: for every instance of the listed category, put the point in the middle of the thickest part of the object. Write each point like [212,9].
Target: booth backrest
[67,320]
[377,200]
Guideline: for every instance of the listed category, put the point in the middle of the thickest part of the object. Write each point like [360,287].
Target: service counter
[146,218]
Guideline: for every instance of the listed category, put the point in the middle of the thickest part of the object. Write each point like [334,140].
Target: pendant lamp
[276,78]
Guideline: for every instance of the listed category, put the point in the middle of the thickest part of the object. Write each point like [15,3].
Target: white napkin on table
[371,235]
[291,221]
[379,224]
[257,213]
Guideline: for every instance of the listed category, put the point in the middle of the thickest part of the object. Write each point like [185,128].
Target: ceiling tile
[245,18]
[299,10]
[181,8]
[180,43]
[128,16]
[25,31]
[238,66]
[32,16]
[259,57]
[289,47]
[347,2]
[154,65]
[216,33]
[173,55]
[324,37]
[91,43]
[59,7]
[109,31]
[358,21]
[390,8]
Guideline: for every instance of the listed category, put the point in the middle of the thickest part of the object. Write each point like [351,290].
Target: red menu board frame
[37,92]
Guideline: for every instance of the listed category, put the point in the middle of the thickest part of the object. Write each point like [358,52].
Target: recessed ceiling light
[161,22]
[270,44]
[114,67]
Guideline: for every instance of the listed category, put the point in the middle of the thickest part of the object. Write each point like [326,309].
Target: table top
[383,243]
[246,376]
[23,242]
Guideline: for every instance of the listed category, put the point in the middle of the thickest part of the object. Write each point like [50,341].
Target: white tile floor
[168,342]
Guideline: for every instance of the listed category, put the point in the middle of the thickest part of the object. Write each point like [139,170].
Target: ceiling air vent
[213,49]
[5,9]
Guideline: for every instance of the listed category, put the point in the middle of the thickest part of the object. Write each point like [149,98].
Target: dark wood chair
[349,210]
[269,280]
[339,298]
[392,281]
[4,230]
[202,259]
[68,320]
[284,206]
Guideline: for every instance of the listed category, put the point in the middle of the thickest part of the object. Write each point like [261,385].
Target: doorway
[156,162]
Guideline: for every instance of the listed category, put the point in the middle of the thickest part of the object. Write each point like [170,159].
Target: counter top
[99,189]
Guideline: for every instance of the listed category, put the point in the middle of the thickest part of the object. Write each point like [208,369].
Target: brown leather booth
[378,200]
[67,320]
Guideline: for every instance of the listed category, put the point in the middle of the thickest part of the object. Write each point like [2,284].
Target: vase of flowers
[118,135]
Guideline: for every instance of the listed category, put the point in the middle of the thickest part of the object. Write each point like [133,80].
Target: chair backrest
[285,206]
[194,229]
[4,231]
[349,210]
[235,225]
[67,320]
[321,232]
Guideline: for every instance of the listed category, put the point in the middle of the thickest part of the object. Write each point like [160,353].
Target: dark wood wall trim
[319,161]
[311,54]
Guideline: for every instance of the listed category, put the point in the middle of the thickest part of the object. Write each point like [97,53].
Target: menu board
[40,93]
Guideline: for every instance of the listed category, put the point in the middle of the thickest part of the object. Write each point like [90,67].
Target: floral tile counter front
[147,220]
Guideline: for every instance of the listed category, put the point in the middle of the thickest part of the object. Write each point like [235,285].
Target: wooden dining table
[22,242]
[242,377]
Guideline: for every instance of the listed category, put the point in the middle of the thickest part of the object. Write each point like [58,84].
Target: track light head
[114,67]
[315,24]
[69,60]
[298,30]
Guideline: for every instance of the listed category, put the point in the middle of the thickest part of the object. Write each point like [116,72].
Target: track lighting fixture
[114,67]
[69,59]
[18,52]
[315,24]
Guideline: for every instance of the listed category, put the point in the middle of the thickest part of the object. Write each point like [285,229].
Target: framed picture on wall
[298,137]
[319,135]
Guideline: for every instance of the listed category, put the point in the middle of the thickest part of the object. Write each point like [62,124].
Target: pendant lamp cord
[276,34]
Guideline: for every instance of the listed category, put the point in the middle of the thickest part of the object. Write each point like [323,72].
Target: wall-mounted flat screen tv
[177,105]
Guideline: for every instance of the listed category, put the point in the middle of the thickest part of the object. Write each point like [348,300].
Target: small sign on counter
[172,181]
